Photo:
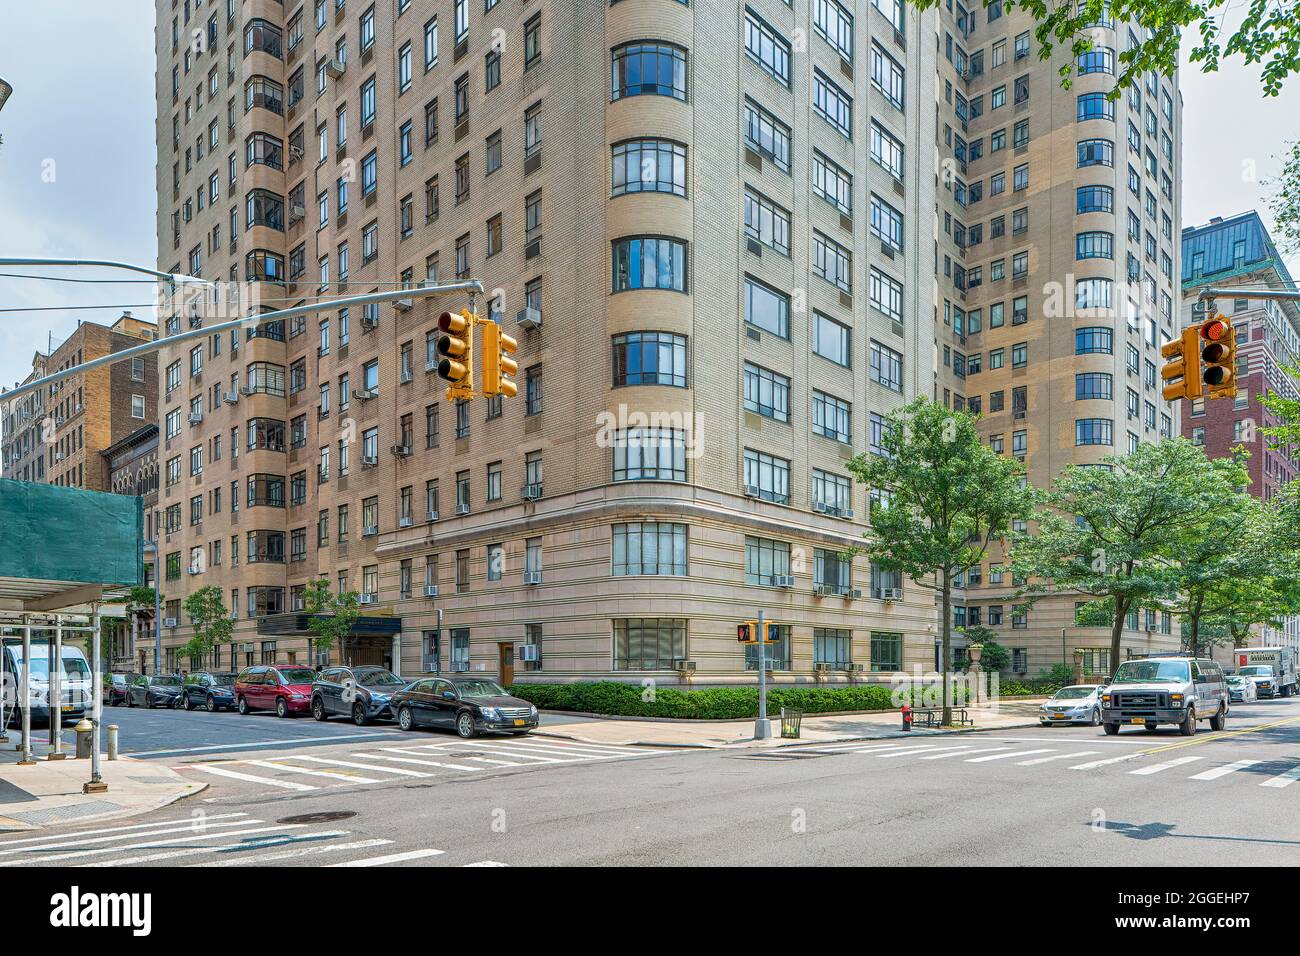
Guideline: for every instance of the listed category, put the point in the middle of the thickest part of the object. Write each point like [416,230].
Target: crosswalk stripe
[552,750]
[250,778]
[1101,763]
[501,751]
[340,775]
[416,760]
[1217,772]
[259,859]
[501,763]
[965,752]
[1038,760]
[241,845]
[76,840]
[581,747]
[1284,779]
[400,771]
[148,845]
[863,749]
[908,751]
[1014,753]
[486,863]
[1160,767]
[186,821]
[391,858]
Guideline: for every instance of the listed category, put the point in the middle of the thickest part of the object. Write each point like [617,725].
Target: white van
[1271,669]
[76,686]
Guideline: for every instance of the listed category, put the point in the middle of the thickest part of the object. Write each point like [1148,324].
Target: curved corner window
[1095,106]
[650,454]
[1093,294]
[263,149]
[264,92]
[648,165]
[264,36]
[649,262]
[264,266]
[1095,199]
[650,358]
[1096,152]
[656,69]
[1093,245]
[264,208]
[1093,431]
[1097,60]
[1097,340]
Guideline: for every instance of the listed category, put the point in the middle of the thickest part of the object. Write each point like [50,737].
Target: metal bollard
[84,730]
[112,741]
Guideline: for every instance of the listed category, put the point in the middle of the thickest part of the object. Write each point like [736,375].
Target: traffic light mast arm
[1209,294]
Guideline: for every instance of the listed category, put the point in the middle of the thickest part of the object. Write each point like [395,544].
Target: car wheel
[1219,720]
[212,704]
[281,707]
[1096,717]
[1043,723]
[1111,729]
[148,700]
[186,703]
[242,706]
[1188,727]
[130,700]
[359,716]
[405,719]
[318,708]
[465,725]
[1150,728]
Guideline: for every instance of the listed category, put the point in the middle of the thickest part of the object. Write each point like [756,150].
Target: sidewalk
[739,733]
[50,792]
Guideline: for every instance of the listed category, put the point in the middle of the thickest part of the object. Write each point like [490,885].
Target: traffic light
[497,363]
[456,346]
[1181,374]
[747,633]
[1219,353]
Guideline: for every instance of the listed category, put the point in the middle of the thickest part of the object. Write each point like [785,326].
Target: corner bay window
[644,68]
[649,358]
[649,454]
[649,262]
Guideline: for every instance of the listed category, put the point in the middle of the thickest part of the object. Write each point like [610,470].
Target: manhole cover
[325,816]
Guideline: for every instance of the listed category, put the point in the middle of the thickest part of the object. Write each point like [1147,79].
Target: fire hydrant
[84,730]
[907,716]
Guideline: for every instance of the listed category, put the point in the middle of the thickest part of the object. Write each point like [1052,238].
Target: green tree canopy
[331,615]
[211,621]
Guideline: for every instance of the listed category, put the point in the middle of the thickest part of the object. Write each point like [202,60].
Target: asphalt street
[1040,796]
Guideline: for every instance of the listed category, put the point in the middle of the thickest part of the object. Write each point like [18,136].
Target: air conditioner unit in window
[402,451]
[529,652]
[404,522]
[169,622]
[851,593]
[369,461]
[529,319]
[431,590]
[820,507]
[370,529]
[751,491]
[822,668]
[783,581]
[296,211]
[532,577]
[857,668]
[891,594]
[194,569]
[404,305]
[459,666]
[821,590]
[295,153]
[531,492]
[368,323]
[462,508]
[248,390]
[335,68]
[196,322]
[684,667]
[230,398]
[366,599]
[196,417]
[431,516]
[364,394]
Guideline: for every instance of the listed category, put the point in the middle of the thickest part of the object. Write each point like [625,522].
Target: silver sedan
[1076,704]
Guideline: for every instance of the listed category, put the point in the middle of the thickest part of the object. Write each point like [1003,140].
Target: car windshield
[1154,671]
[1072,693]
[224,680]
[1236,681]
[1259,670]
[166,680]
[73,667]
[377,676]
[297,675]
[480,688]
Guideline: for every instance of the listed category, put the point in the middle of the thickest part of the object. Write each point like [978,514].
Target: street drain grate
[324,816]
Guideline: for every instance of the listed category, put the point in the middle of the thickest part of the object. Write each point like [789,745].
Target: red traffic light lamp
[1219,355]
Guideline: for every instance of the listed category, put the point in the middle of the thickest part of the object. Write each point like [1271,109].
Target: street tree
[1114,532]
[1263,33]
[1285,203]
[211,621]
[993,656]
[330,615]
[940,498]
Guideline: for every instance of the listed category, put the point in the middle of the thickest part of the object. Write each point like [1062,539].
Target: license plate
[1139,720]
[519,723]
[67,707]
[1060,717]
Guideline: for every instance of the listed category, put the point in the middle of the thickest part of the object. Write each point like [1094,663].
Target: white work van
[1271,669]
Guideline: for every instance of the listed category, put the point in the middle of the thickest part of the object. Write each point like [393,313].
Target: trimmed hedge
[725,703]
[1030,687]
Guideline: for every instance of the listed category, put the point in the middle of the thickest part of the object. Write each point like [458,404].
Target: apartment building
[1070,225]
[1238,252]
[56,435]
[725,262]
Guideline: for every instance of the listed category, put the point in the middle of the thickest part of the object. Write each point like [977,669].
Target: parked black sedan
[115,688]
[152,690]
[362,693]
[467,705]
[213,690]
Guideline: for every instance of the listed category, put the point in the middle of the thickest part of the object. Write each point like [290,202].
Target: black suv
[362,693]
[213,690]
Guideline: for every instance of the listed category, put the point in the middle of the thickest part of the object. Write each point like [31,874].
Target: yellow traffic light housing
[456,346]
[747,633]
[497,362]
[1181,374]
[1218,342]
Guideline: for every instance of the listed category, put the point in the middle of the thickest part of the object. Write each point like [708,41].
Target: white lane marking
[908,751]
[415,760]
[391,858]
[1014,753]
[503,752]
[293,854]
[499,763]
[1066,756]
[249,778]
[342,776]
[1101,763]
[964,752]
[847,750]
[149,845]
[71,840]
[553,751]
[122,830]
[485,863]
[1223,771]
[331,761]
[1159,767]
[580,747]
[224,848]
[1284,779]
[313,741]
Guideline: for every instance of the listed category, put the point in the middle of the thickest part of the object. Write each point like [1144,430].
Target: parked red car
[286,689]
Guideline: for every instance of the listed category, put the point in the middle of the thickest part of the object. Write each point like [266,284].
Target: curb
[10,825]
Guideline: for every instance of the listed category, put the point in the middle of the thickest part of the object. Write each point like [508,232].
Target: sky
[77,163]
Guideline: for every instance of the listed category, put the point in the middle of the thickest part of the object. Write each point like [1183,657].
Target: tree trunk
[1195,635]
[1116,633]
[946,652]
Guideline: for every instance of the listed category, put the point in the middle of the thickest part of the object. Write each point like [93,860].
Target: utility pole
[96,783]
[762,726]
